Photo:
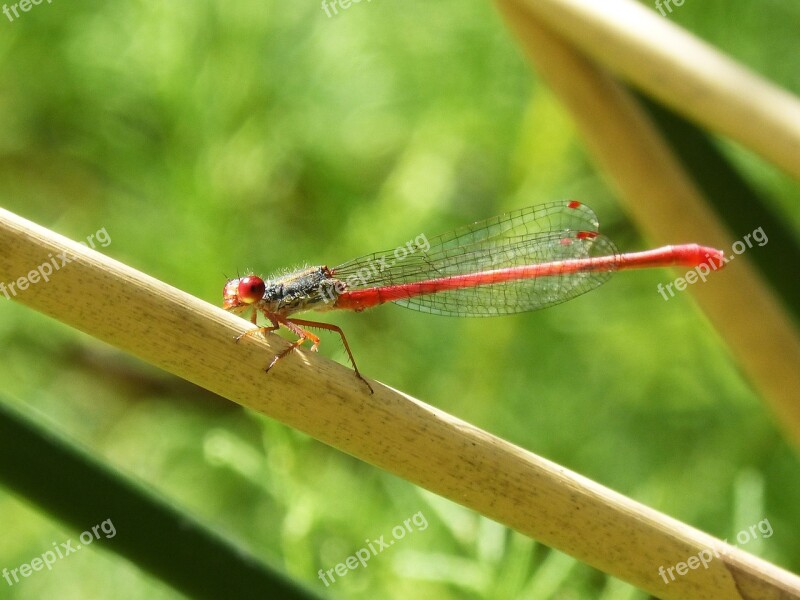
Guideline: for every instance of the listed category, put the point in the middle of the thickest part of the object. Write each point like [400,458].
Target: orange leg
[302,336]
[294,325]
[262,330]
[315,340]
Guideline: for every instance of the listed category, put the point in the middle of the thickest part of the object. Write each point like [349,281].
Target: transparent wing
[542,234]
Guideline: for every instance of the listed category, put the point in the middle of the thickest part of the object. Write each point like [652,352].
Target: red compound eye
[251,289]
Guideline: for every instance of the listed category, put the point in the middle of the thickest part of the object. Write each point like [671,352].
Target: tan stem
[669,208]
[195,340]
[680,70]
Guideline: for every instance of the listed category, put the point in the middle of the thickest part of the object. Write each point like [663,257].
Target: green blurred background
[210,138]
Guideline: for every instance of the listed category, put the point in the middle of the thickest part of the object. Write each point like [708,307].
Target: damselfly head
[242,292]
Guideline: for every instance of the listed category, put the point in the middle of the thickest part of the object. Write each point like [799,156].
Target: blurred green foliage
[210,138]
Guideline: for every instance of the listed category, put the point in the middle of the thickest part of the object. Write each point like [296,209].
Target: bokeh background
[209,138]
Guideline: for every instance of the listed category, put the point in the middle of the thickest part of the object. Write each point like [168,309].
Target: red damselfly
[521,261]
